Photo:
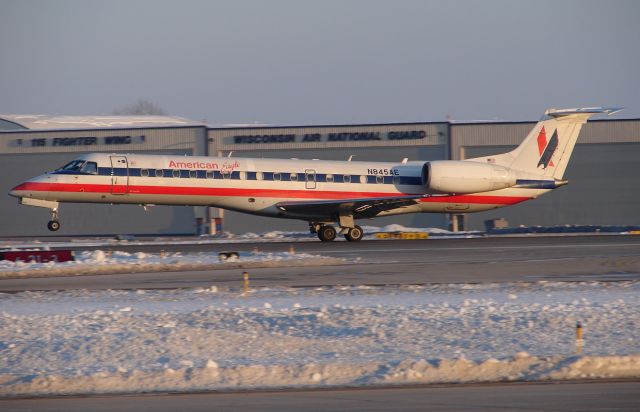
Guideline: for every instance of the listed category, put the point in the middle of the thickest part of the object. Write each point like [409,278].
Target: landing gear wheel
[53,225]
[326,233]
[354,234]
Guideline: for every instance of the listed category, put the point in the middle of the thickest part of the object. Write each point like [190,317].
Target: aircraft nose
[18,190]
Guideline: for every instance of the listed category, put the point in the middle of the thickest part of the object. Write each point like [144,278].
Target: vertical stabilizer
[546,150]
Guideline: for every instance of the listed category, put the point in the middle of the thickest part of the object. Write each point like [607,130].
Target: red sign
[39,256]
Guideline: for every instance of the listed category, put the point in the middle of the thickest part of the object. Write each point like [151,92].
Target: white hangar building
[604,171]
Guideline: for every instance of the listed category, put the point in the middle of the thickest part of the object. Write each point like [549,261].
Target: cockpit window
[79,166]
[73,166]
[90,167]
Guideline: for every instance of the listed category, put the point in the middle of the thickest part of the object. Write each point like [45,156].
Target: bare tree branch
[141,107]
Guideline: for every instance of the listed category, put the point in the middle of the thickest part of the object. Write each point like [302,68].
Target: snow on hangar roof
[52,122]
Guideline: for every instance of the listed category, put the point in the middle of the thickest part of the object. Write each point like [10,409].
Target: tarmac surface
[393,262]
[566,396]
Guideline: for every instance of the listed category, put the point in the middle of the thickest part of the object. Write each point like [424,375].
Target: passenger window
[176,173]
[159,172]
[193,173]
[379,179]
[209,174]
[144,172]
[329,179]
[396,180]
[294,177]
[226,175]
[347,178]
[276,176]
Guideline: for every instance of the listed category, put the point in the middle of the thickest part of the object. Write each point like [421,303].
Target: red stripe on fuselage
[242,192]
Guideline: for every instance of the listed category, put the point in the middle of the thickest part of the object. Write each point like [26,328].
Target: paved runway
[591,396]
[565,258]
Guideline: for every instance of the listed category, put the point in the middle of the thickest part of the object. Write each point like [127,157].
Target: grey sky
[320,62]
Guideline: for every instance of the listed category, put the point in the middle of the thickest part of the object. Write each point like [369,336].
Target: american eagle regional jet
[323,193]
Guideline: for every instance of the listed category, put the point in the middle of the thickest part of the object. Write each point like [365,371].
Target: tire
[326,233]
[355,234]
[53,225]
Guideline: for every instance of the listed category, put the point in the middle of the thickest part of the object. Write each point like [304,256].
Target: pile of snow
[105,262]
[85,342]
[400,228]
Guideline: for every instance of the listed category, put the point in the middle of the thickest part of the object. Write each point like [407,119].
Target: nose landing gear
[54,224]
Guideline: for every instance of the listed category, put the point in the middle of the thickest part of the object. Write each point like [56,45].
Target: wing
[359,208]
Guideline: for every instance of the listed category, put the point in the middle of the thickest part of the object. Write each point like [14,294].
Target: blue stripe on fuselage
[266,176]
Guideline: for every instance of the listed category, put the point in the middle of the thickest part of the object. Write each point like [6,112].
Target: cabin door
[310,179]
[119,175]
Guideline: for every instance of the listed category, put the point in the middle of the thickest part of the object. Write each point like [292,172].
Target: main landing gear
[354,234]
[328,233]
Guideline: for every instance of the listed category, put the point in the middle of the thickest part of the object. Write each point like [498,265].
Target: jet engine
[456,176]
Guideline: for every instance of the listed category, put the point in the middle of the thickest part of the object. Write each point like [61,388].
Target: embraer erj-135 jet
[323,193]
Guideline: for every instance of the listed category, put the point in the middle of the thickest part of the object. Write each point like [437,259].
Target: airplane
[323,193]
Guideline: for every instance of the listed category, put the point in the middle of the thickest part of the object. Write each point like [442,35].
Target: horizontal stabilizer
[583,110]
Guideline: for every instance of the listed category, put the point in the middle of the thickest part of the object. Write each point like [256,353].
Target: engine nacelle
[457,176]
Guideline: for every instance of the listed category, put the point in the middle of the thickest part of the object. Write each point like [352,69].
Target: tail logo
[546,149]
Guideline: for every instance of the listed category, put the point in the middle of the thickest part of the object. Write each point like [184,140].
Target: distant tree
[141,107]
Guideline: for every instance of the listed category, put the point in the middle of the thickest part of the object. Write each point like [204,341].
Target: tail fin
[545,152]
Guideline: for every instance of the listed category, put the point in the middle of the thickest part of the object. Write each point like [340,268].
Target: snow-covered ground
[99,262]
[209,339]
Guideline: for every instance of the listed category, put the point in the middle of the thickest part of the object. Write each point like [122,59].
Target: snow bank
[79,342]
[99,262]
[522,368]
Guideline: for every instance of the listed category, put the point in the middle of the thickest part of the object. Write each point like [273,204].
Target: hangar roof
[53,122]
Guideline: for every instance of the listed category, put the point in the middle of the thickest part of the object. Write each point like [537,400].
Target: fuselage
[321,192]
[250,185]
